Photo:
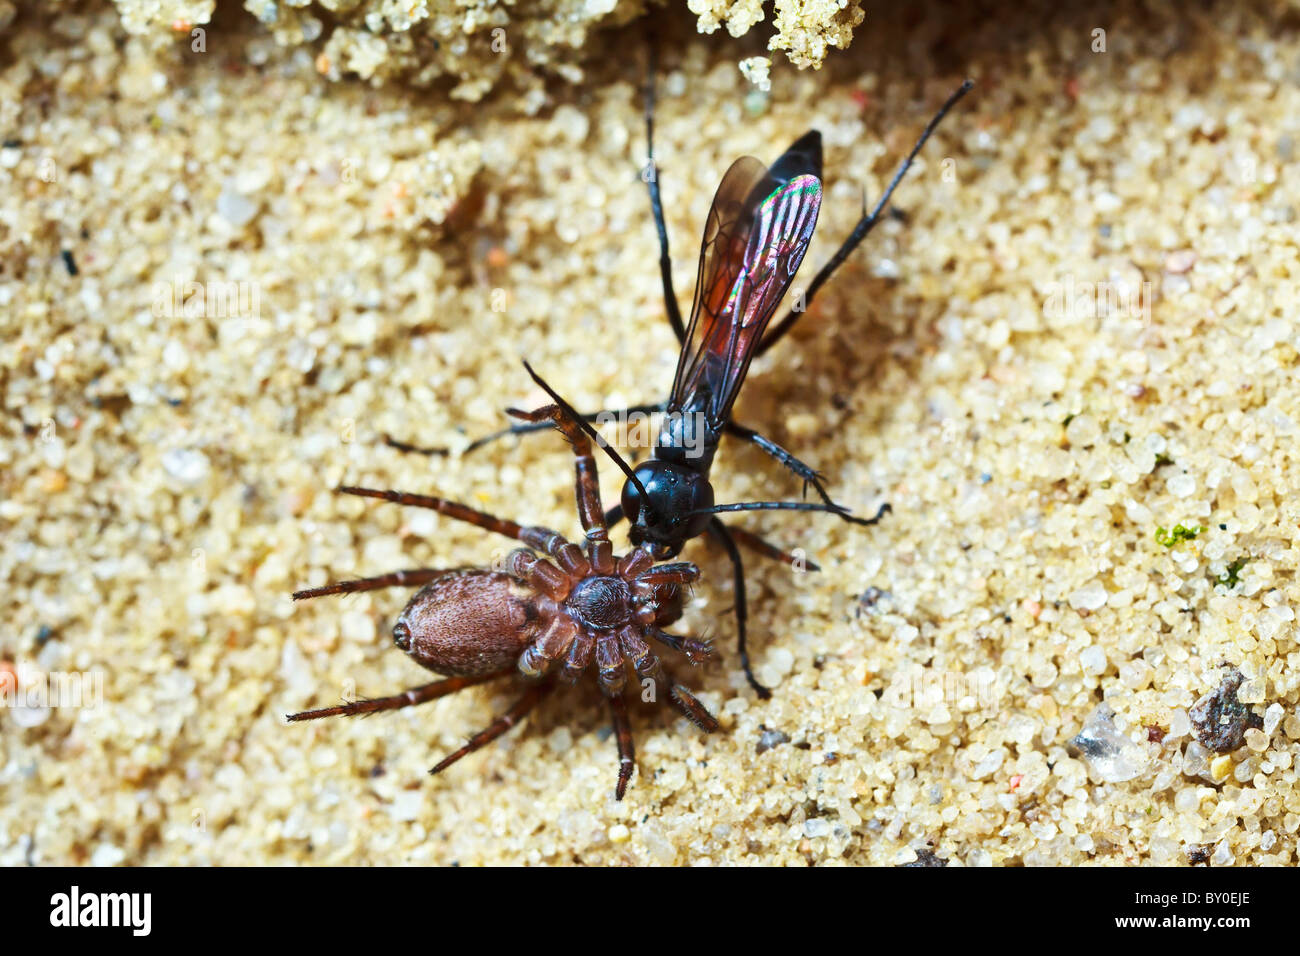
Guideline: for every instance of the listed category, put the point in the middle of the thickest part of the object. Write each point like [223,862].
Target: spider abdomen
[469,623]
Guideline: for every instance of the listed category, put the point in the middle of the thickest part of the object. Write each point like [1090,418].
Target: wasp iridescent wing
[722,249]
[755,238]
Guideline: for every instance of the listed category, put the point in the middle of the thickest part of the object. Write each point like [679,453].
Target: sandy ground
[1078,338]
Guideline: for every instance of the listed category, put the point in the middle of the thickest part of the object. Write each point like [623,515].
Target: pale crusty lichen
[805,29]
[477,43]
[757,69]
[480,42]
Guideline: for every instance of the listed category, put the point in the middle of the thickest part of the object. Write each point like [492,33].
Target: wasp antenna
[652,65]
[591,432]
[774,506]
[930,127]
[865,224]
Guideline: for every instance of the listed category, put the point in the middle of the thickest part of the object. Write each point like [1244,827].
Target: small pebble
[1219,719]
[769,739]
[1176,263]
[816,827]
[1220,767]
[926,857]
[234,207]
[186,465]
[1090,597]
[1272,718]
[1093,660]
[1196,761]
[107,855]
[1109,752]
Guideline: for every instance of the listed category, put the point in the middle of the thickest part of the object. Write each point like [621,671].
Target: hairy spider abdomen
[468,623]
[601,601]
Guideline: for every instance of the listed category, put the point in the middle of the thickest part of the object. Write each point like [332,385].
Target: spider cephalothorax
[603,608]
[563,609]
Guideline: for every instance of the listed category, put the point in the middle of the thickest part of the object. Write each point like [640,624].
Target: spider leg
[679,572]
[611,668]
[579,657]
[626,749]
[649,667]
[529,535]
[695,650]
[690,707]
[498,727]
[408,698]
[587,485]
[587,490]
[549,647]
[412,578]
[540,574]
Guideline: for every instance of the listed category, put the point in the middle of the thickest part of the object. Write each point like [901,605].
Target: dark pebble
[925,858]
[1219,720]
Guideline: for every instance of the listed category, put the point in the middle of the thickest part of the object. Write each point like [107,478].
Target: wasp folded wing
[755,238]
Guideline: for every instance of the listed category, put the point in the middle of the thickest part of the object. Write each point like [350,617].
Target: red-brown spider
[535,616]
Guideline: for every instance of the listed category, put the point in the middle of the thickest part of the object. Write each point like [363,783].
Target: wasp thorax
[601,602]
[468,623]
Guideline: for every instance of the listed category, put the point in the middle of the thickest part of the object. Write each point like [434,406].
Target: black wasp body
[741,281]
[755,237]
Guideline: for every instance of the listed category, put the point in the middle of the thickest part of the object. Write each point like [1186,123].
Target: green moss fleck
[1232,577]
[1178,535]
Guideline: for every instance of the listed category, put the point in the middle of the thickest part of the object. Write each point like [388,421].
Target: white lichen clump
[481,42]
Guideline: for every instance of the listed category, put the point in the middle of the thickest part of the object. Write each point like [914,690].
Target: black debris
[925,858]
[1220,720]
